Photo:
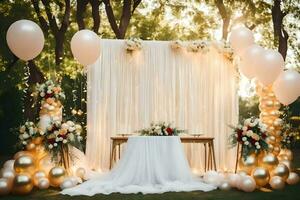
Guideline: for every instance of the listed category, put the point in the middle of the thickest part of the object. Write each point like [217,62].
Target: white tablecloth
[149,165]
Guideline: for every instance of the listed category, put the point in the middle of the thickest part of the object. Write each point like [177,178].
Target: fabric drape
[127,91]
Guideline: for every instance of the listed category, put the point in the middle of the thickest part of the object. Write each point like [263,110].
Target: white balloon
[214,178]
[248,184]
[43,183]
[286,86]
[240,38]
[233,180]
[248,60]
[269,65]
[9,164]
[67,183]
[25,39]
[85,47]
[293,178]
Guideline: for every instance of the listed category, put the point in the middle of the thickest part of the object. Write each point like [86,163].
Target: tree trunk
[225,18]
[280,34]
[59,48]
[81,8]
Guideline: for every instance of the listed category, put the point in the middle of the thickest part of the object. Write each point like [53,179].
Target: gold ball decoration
[24,163]
[293,178]
[269,161]
[261,176]
[37,176]
[22,184]
[43,183]
[5,186]
[277,183]
[288,153]
[248,164]
[80,172]
[282,171]
[56,176]
[276,150]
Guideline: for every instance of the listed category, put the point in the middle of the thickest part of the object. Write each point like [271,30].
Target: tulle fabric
[148,165]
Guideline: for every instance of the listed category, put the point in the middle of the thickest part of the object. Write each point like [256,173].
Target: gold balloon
[5,186]
[37,176]
[30,147]
[288,153]
[269,161]
[261,176]
[8,174]
[282,157]
[277,183]
[288,164]
[43,183]
[292,179]
[37,140]
[271,139]
[276,150]
[24,163]
[22,184]
[271,147]
[46,164]
[21,153]
[56,176]
[248,164]
[281,170]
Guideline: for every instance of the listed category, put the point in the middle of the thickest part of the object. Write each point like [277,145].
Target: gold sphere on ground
[261,176]
[281,170]
[282,157]
[24,163]
[5,186]
[37,140]
[276,150]
[22,184]
[37,176]
[277,183]
[269,161]
[248,164]
[46,164]
[56,176]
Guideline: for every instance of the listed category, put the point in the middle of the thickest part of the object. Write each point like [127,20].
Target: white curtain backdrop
[127,91]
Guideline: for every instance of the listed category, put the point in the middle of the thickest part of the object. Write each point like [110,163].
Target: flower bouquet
[198,46]
[57,138]
[176,45]
[161,129]
[28,132]
[50,90]
[251,135]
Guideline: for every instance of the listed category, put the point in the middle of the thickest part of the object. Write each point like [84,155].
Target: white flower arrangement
[50,90]
[198,46]
[27,132]
[224,48]
[59,134]
[160,129]
[251,135]
[133,44]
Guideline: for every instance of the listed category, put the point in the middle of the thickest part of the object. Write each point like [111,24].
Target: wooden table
[209,154]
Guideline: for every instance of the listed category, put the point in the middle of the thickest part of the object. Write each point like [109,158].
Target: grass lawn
[289,192]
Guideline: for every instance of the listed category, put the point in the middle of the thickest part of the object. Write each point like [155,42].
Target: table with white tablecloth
[150,164]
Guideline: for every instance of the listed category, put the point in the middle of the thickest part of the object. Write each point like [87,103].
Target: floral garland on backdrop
[160,129]
[251,135]
[203,47]
[133,44]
